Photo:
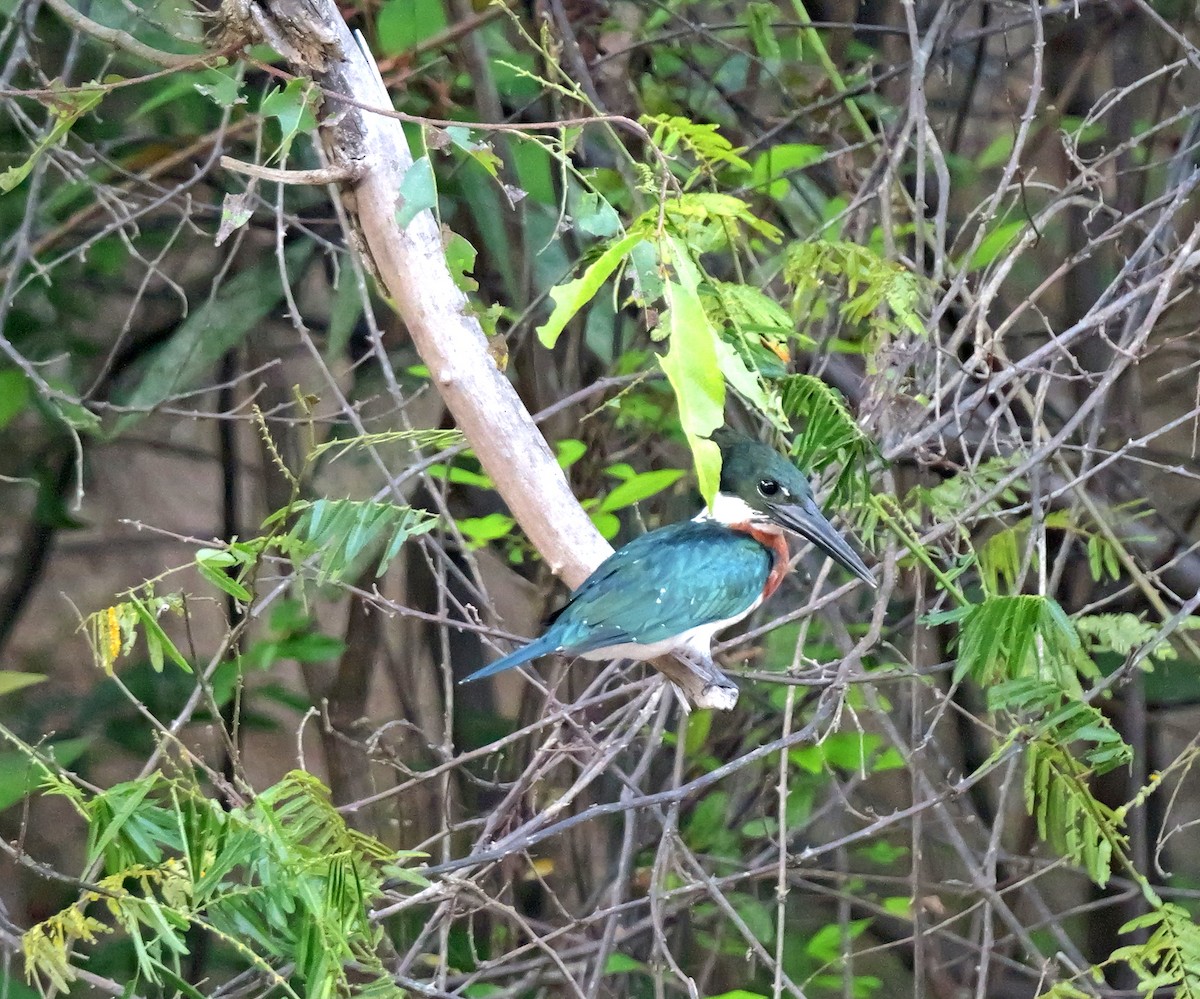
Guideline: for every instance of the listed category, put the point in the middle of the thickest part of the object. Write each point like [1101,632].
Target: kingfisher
[674,588]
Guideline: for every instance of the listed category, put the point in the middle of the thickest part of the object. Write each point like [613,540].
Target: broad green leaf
[639,487]
[692,366]
[292,107]
[569,298]
[313,647]
[771,169]
[19,775]
[186,359]
[219,87]
[460,259]
[14,395]
[11,681]
[706,821]
[596,217]
[481,152]
[401,24]
[621,963]
[418,191]
[995,243]
[481,530]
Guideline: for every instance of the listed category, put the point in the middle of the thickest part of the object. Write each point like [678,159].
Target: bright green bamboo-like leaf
[995,243]
[639,487]
[12,681]
[569,298]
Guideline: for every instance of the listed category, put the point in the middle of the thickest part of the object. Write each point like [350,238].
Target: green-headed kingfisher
[674,588]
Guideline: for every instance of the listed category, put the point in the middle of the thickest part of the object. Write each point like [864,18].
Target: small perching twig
[341,174]
[410,265]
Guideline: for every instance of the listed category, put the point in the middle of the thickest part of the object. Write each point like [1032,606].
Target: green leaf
[640,487]
[66,107]
[759,18]
[340,535]
[14,395]
[10,681]
[595,216]
[217,577]
[20,774]
[292,107]
[418,191]
[771,169]
[569,298]
[188,357]
[460,259]
[313,647]
[706,821]
[995,243]
[693,369]
[154,634]
[481,530]
[219,87]
[738,994]
[618,964]
[401,24]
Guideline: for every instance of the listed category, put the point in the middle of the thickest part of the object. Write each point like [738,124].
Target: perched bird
[674,588]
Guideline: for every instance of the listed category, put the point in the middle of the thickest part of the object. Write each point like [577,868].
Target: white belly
[697,640]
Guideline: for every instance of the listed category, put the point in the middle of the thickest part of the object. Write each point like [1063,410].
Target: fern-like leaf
[1006,638]
[341,535]
[1068,816]
[1170,958]
[830,435]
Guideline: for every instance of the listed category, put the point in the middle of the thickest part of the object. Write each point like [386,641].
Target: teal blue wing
[663,584]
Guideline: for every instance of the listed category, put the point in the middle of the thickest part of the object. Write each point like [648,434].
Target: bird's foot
[699,682]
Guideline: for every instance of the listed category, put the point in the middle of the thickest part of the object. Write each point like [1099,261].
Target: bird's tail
[539,647]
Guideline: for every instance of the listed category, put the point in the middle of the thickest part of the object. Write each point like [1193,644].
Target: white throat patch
[730,509]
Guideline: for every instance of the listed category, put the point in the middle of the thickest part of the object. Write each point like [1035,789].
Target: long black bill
[806,519]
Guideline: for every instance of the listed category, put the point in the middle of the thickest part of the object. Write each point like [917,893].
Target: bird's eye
[768,488]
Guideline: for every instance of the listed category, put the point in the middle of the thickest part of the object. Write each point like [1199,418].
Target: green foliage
[1170,958]
[282,880]
[66,107]
[293,107]
[1000,556]
[830,435]
[1068,815]
[111,632]
[882,294]
[1122,633]
[569,298]
[703,143]
[1010,638]
[418,191]
[995,243]
[693,368]
[340,536]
